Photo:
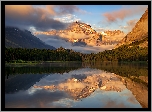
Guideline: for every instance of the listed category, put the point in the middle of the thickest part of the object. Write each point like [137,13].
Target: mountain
[16,38]
[139,33]
[112,37]
[81,34]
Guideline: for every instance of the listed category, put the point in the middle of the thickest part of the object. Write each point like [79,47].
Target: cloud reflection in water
[78,88]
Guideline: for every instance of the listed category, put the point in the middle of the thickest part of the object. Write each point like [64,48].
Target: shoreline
[33,62]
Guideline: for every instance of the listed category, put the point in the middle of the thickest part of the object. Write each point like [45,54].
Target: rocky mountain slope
[112,37]
[81,34]
[138,33]
[17,38]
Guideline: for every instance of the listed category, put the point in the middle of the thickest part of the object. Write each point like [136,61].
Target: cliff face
[139,32]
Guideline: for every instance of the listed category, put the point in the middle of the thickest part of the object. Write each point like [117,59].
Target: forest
[122,53]
[21,55]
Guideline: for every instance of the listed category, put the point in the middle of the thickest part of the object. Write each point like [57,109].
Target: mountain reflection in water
[79,88]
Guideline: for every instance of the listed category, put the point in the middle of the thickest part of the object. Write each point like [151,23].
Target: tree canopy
[122,53]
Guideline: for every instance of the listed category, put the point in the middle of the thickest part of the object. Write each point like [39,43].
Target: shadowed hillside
[17,38]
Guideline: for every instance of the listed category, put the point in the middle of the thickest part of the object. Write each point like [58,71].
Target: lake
[77,85]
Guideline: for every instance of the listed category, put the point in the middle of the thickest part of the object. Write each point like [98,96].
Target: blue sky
[95,16]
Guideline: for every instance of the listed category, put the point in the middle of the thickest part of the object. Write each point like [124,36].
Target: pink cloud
[123,13]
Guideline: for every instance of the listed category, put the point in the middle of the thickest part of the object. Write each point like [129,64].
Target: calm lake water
[71,85]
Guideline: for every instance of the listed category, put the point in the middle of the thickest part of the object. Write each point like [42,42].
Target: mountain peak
[82,34]
[139,32]
[81,27]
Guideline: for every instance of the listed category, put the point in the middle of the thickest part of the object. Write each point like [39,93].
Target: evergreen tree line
[122,53]
[23,54]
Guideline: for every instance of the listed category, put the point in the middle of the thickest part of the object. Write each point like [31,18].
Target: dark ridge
[16,38]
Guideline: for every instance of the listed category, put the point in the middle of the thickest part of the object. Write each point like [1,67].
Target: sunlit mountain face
[138,33]
[80,32]
[83,28]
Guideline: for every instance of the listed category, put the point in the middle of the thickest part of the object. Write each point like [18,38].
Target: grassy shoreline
[33,62]
[47,62]
[36,62]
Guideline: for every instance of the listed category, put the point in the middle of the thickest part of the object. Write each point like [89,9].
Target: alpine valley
[76,56]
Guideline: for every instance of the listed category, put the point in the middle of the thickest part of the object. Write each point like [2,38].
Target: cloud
[25,16]
[40,99]
[65,9]
[113,16]
[123,27]
[57,42]
[130,25]
[116,37]
[50,9]
[121,14]
[132,22]
[73,35]
[68,18]
[84,12]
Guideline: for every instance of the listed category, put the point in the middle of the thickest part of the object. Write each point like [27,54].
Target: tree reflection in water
[82,83]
